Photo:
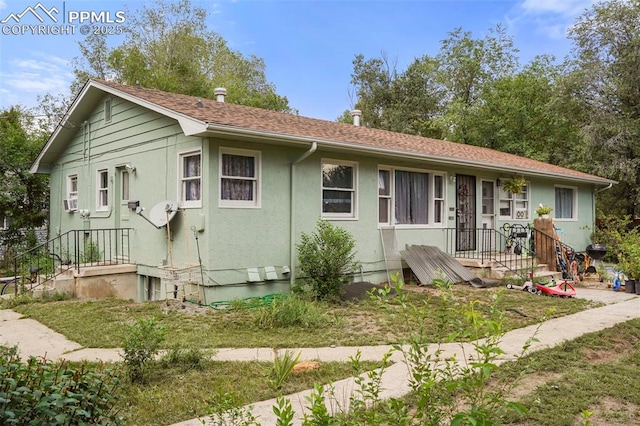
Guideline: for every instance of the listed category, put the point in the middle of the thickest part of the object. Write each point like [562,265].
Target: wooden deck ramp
[429,263]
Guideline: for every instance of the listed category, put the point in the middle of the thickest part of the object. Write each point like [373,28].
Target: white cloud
[26,78]
[565,8]
[549,18]
[3,4]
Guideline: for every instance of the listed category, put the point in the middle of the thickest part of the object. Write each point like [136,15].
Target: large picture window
[565,203]
[338,189]
[191,179]
[409,197]
[239,178]
[102,193]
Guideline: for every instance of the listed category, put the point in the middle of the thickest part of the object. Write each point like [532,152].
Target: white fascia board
[450,161]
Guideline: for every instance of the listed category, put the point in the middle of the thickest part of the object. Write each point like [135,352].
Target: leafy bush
[327,258]
[41,392]
[629,254]
[141,345]
[611,231]
[91,253]
[290,311]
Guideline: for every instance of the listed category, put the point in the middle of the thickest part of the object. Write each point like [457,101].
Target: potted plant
[543,211]
[515,184]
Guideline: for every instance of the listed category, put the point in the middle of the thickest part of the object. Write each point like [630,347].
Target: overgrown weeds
[282,368]
[291,311]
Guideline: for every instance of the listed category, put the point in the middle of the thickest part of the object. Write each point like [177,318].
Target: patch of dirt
[610,411]
[172,305]
[530,383]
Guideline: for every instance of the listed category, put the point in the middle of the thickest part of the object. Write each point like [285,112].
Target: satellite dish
[162,213]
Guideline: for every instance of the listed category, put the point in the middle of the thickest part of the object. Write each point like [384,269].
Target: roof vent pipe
[220,93]
[356,113]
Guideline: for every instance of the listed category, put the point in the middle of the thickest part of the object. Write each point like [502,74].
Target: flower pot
[630,286]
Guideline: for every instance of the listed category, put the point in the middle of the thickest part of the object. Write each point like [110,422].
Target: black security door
[465,212]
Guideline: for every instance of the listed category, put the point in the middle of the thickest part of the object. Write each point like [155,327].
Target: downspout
[292,216]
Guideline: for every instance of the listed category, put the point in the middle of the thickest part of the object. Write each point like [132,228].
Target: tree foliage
[23,196]
[167,46]
[606,78]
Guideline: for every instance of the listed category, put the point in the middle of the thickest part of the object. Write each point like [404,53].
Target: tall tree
[607,59]
[23,196]
[434,96]
[404,102]
[466,65]
[168,47]
[526,114]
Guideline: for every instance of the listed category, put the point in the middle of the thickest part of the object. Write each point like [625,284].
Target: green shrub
[290,311]
[326,259]
[91,253]
[39,392]
[188,358]
[141,345]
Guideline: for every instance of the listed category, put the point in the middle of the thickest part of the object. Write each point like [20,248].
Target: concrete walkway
[34,339]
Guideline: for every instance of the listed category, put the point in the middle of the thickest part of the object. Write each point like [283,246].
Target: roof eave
[220,129]
[63,131]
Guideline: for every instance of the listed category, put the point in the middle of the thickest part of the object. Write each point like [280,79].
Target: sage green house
[219,194]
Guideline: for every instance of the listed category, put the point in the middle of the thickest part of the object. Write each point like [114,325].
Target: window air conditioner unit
[70,205]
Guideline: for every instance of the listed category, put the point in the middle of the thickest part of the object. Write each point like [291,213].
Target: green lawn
[102,324]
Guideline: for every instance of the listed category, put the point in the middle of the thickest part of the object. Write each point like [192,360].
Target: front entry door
[465,212]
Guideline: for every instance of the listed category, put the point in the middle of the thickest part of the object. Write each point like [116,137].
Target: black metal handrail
[511,247]
[73,249]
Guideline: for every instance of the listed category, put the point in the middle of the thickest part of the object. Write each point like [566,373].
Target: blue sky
[308,45]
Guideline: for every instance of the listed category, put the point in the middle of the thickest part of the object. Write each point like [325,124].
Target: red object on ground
[562,289]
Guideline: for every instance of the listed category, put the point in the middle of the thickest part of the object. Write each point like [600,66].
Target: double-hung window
[410,197]
[239,178]
[102,193]
[514,206]
[384,196]
[191,179]
[339,189]
[72,193]
[565,207]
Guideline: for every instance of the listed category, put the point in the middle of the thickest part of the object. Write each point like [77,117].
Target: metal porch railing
[519,248]
[75,249]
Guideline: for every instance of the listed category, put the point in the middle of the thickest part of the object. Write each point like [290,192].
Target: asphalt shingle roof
[270,122]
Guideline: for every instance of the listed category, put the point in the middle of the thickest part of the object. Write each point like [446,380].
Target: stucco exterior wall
[230,239]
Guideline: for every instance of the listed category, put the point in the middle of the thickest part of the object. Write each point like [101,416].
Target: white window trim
[431,201]
[99,190]
[574,213]
[190,204]
[513,205]
[241,204]
[72,195]
[108,106]
[388,197]
[340,216]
